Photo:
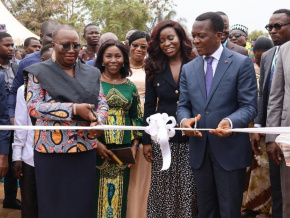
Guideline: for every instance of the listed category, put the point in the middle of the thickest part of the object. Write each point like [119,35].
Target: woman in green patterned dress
[125,110]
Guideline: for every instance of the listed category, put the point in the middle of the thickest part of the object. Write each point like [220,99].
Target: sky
[254,14]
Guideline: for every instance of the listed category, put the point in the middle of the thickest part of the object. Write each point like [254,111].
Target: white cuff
[257,125]
[182,133]
[229,121]
[17,152]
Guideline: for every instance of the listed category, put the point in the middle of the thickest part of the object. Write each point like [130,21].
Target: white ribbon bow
[160,132]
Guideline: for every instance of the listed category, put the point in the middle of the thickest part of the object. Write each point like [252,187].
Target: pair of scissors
[93,112]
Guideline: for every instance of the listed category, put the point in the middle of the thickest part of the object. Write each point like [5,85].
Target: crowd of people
[213,79]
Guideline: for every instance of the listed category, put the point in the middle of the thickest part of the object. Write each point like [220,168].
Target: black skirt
[65,184]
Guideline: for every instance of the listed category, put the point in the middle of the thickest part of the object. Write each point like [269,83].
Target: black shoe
[15,204]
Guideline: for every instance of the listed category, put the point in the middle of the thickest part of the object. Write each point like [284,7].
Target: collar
[225,43]
[217,54]
[9,65]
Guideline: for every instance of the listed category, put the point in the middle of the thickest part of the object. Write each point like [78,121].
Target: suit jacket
[162,97]
[233,95]
[237,48]
[263,96]
[278,106]
[4,119]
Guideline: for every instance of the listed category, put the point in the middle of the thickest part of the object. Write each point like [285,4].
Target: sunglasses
[237,35]
[135,45]
[66,47]
[277,26]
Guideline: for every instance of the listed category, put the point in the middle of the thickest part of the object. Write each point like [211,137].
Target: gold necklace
[114,80]
[136,67]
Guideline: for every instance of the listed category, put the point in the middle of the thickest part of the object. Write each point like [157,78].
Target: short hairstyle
[22,52]
[125,70]
[221,13]
[107,36]
[90,24]
[46,24]
[45,49]
[217,23]
[4,35]
[263,44]
[157,60]
[28,40]
[129,33]
[61,27]
[282,11]
[138,35]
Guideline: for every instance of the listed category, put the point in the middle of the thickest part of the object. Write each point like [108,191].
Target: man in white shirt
[23,148]
[22,157]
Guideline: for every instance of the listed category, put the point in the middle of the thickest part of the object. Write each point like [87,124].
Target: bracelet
[75,109]
[136,144]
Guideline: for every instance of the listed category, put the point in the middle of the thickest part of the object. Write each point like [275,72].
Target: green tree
[33,13]
[171,15]
[255,34]
[118,16]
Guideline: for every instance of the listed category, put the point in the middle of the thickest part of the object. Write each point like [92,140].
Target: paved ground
[8,213]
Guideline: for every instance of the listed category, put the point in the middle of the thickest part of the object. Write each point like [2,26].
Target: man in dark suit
[227,43]
[220,88]
[4,135]
[279,34]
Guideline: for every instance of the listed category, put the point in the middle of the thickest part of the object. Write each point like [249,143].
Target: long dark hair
[125,70]
[156,61]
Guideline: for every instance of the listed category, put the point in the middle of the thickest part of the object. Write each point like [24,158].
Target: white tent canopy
[18,32]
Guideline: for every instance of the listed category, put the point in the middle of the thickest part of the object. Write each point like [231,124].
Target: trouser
[28,192]
[219,192]
[10,182]
[275,179]
[285,187]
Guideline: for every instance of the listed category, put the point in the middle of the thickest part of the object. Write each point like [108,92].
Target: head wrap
[239,27]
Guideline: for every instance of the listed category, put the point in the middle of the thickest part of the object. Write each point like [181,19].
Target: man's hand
[224,124]
[17,169]
[12,121]
[274,152]
[255,142]
[3,165]
[187,123]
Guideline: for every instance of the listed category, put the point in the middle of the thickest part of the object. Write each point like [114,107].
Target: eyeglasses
[66,47]
[277,26]
[135,45]
[237,35]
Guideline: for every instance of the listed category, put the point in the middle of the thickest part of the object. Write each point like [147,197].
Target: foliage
[171,15]
[33,13]
[118,16]
[255,34]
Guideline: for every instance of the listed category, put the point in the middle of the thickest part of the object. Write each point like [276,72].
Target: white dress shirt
[23,139]
[216,57]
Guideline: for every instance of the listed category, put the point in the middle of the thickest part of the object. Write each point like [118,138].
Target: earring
[123,65]
[103,64]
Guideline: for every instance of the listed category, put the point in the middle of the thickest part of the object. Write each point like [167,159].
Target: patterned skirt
[111,189]
[172,192]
